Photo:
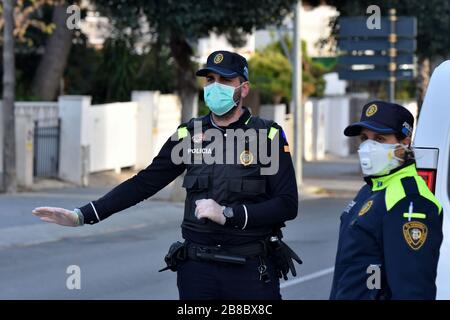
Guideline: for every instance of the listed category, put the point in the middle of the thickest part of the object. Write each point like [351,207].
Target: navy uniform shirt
[393,225]
[281,206]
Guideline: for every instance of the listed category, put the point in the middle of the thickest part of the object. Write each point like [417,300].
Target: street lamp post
[297,96]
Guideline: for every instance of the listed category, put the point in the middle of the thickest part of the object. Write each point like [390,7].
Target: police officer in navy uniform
[391,232]
[233,213]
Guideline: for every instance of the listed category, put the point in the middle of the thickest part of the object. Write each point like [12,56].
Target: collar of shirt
[240,123]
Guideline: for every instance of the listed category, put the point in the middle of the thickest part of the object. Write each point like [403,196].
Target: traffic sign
[406,45]
[374,59]
[405,27]
[374,74]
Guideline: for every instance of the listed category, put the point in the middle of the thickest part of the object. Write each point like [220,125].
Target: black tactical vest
[227,184]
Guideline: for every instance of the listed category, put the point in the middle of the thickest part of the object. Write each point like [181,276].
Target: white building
[314,24]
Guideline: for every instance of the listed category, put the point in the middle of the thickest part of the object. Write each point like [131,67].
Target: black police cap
[227,64]
[384,118]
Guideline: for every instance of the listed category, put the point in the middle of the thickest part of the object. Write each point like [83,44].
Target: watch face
[228,212]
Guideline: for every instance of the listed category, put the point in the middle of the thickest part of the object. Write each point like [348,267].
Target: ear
[245,89]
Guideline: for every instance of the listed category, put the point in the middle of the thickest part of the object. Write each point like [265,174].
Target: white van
[432,147]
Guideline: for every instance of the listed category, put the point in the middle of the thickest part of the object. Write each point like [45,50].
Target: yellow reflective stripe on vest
[182,132]
[414,215]
[272,132]
[394,193]
[426,193]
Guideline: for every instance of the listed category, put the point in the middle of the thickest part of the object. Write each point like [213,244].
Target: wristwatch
[80,215]
[228,212]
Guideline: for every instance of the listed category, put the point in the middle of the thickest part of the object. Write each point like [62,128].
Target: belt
[231,254]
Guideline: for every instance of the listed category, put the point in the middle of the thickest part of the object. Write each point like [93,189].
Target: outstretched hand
[59,216]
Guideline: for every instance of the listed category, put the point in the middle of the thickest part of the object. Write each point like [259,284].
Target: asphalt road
[124,264]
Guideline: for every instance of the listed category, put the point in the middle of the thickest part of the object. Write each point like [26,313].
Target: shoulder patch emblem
[415,234]
[365,208]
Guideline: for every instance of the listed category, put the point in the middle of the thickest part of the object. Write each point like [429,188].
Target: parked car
[432,147]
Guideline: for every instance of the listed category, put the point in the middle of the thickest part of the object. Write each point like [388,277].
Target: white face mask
[378,159]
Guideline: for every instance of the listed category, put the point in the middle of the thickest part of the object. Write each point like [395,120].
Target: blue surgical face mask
[219,97]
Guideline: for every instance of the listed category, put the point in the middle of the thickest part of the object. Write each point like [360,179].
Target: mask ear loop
[408,152]
[236,102]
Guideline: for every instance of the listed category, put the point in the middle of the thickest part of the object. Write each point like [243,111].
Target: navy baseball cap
[384,118]
[227,64]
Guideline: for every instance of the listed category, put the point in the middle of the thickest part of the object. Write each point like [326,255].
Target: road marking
[308,277]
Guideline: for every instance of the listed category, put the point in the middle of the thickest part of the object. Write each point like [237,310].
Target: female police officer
[391,232]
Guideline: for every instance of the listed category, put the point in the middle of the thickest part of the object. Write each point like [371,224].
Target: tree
[271,73]
[433,30]
[47,78]
[9,79]
[24,13]
[17,18]
[182,23]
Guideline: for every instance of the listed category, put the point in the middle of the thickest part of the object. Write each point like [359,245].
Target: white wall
[25,114]
[71,152]
[273,112]
[37,109]
[167,117]
[110,132]
[324,122]
[337,118]
[315,128]
[334,86]
[24,150]
[308,130]
[114,135]
[147,102]
[95,137]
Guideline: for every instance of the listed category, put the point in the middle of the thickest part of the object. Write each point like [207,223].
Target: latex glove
[59,216]
[208,208]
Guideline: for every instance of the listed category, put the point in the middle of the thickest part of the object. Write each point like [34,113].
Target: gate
[46,147]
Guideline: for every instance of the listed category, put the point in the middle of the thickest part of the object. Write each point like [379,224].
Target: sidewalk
[334,177]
